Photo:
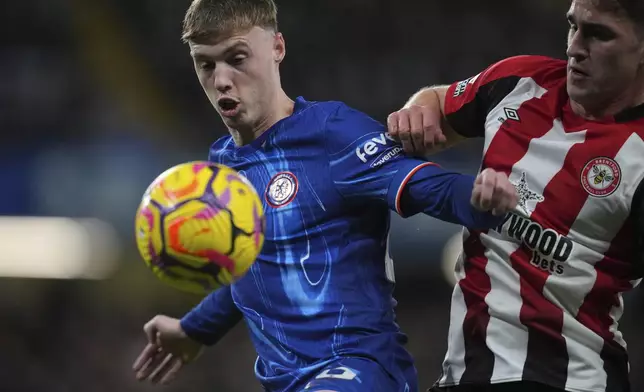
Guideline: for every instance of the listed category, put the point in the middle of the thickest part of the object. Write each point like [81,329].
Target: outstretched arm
[476,203]
[367,163]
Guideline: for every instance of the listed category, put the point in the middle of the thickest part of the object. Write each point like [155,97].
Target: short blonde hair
[211,19]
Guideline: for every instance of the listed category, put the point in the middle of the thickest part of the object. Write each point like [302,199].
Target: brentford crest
[601,176]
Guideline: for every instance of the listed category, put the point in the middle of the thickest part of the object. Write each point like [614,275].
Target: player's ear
[279,48]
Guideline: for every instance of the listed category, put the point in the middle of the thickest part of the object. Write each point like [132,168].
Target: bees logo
[601,176]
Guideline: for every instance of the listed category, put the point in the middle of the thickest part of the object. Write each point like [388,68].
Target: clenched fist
[494,192]
[168,349]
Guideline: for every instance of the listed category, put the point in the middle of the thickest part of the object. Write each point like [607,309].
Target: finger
[488,183]
[508,197]
[162,369]
[152,365]
[498,199]
[479,179]
[173,368]
[432,131]
[432,137]
[476,197]
[512,198]
[392,125]
[501,206]
[404,133]
[148,353]
[416,129]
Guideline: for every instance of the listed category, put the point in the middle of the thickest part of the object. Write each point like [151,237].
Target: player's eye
[206,65]
[237,59]
[600,33]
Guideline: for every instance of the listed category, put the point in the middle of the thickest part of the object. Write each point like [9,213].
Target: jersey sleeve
[209,321]
[468,102]
[365,163]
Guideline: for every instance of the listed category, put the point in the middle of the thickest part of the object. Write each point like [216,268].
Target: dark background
[98,97]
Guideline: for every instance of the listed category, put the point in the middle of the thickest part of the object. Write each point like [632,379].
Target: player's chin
[579,93]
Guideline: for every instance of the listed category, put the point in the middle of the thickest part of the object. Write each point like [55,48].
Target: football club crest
[601,176]
[281,189]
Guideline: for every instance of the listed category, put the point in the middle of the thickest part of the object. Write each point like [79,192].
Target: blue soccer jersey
[321,289]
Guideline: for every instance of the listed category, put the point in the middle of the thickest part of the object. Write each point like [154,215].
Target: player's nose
[223,82]
[576,48]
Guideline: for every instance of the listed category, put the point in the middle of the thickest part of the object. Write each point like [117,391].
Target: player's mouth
[228,106]
[577,72]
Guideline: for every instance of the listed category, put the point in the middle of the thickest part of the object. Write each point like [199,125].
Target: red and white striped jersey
[539,297]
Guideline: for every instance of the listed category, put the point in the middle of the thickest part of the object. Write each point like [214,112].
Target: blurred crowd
[97,97]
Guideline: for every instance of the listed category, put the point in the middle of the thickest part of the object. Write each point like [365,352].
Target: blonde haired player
[318,300]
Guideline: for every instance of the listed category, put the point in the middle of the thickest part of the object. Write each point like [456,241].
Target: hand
[418,128]
[167,351]
[494,192]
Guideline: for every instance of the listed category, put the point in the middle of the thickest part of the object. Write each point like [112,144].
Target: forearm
[446,196]
[209,321]
[429,96]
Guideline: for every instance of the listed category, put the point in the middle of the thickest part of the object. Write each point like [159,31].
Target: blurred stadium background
[97,97]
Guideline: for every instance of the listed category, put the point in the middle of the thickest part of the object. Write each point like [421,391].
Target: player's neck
[283,107]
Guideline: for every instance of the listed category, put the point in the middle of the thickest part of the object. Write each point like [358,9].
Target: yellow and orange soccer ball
[200,226]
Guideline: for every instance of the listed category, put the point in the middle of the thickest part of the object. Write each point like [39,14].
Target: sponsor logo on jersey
[601,176]
[550,250]
[281,189]
[511,114]
[372,150]
[462,85]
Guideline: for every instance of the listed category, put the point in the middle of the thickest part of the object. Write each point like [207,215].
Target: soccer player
[318,301]
[538,299]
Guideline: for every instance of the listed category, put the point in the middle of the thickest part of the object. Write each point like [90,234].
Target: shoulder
[346,126]
[337,120]
[339,114]
[326,111]
[540,68]
[503,77]
[321,110]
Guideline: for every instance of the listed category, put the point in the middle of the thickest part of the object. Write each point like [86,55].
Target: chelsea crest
[281,189]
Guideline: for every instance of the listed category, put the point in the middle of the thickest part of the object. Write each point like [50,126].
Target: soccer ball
[200,226]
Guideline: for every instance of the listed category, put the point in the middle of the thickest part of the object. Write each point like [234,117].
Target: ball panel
[238,195]
[191,232]
[180,184]
[148,231]
[180,278]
